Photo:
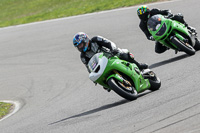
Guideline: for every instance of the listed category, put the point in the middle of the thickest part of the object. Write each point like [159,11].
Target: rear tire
[122,92]
[186,48]
[197,44]
[155,83]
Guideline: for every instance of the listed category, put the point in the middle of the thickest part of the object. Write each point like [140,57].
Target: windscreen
[154,22]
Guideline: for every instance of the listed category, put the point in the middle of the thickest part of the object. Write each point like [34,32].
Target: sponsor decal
[94,65]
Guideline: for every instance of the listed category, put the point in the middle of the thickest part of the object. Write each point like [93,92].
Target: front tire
[116,87]
[184,47]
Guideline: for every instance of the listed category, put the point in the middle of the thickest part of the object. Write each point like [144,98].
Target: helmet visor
[80,46]
[154,23]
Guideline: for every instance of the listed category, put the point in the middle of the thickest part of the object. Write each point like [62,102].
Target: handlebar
[170,14]
[107,51]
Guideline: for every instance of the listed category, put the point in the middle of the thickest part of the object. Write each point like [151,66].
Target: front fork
[185,40]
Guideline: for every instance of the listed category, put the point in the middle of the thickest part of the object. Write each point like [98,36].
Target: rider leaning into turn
[144,13]
[88,47]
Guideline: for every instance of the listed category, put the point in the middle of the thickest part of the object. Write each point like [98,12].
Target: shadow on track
[93,111]
[108,106]
[168,61]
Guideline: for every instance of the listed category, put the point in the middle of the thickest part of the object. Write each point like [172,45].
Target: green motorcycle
[173,34]
[121,76]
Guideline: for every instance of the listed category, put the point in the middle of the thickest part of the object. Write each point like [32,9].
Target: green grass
[4,109]
[14,12]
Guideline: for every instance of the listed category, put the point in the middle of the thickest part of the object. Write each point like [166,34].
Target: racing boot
[159,48]
[192,29]
[142,66]
[107,89]
[130,58]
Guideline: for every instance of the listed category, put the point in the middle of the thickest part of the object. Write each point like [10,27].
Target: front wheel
[127,93]
[183,46]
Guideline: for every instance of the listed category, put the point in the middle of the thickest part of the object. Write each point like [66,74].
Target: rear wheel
[187,48]
[128,93]
[197,44]
[155,82]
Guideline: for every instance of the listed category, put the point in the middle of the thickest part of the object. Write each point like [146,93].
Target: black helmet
[143,12]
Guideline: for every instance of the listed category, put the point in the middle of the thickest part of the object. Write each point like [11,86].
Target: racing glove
[151,38]
[115,51]
[169,15]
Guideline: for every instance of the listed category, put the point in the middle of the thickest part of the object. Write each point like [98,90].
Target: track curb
[17,106]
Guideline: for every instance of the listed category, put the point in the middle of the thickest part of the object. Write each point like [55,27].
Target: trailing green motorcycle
[173,34]
[121,76]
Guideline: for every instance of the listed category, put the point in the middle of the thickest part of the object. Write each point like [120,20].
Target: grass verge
[5,108]
[14,12]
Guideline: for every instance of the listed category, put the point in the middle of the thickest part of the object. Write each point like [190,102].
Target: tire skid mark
[175,122]
[170,117]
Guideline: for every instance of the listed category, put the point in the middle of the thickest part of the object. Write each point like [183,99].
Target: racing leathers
[98,42]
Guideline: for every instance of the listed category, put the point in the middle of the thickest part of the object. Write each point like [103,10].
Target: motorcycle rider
[89,47]
[144,13]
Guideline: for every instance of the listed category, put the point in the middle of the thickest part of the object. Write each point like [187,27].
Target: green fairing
[114,63]
[172,28]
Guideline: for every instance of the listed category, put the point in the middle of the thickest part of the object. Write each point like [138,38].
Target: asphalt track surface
[40,68]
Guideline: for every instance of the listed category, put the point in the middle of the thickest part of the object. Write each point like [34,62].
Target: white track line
[17,106]
[83,15]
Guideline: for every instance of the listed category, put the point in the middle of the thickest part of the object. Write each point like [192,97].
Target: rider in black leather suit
[89,47]
[144,13]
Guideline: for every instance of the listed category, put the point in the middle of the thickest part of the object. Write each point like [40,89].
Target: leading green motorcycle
[173,34]
[121,76]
